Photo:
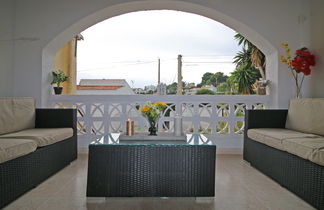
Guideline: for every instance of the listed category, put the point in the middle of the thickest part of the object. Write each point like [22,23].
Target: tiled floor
[238,186]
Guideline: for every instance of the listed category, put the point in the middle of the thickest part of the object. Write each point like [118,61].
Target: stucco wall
[6,47]
[65,60]
[56,22]
[317,46]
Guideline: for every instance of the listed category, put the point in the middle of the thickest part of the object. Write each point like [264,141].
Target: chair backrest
[16,114]
[306,115]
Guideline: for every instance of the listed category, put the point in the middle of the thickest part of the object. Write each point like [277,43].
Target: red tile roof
[98,87]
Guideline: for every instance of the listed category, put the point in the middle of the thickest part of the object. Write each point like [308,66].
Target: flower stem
[297,85]
[300,86]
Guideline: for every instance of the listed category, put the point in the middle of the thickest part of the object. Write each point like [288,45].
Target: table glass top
[191,139]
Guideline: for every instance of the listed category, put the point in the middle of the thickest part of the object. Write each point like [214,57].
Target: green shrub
[205,92]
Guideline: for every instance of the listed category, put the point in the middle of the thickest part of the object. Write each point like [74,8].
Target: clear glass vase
[153,128]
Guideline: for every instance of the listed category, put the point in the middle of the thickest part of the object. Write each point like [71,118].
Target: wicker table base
[154,170]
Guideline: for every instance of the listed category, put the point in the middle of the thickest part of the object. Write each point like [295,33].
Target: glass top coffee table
[151,168]
[161,138]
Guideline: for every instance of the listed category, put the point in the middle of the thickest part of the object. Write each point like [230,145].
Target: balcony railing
[220,117]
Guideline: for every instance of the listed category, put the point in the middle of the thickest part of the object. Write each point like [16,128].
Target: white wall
[6,47]
[266,22]
[317,46]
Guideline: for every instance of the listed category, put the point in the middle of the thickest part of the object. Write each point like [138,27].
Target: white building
[139,91]
[104,87]
[150,88]
[209,87]
[193,91]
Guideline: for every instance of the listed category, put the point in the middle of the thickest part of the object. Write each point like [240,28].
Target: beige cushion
[306,115]
[318,157]
[303,147]
[42,136]
[6,116]
[13,148]
[274,136]
[16,114]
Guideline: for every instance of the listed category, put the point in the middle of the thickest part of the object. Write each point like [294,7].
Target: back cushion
[6,115]
[306,115]
[16,114]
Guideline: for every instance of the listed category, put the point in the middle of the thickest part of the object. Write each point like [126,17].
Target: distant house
[150,88]
[139,91]
[190,85]
[104,87]
[193,91]
[209,87]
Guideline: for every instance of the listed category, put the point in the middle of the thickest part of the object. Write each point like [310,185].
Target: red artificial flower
[311,60]
[306,71]
[303,60]
[306,53]
[299,52]
[301,63]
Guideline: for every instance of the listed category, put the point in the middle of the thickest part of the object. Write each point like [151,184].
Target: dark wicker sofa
[300,176]
[21,174]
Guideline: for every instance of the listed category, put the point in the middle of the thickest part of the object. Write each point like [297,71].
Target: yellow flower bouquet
[152,112]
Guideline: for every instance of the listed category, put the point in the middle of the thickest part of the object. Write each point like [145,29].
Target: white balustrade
[219,117]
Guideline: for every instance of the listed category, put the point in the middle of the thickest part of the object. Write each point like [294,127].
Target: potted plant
[261,86]
[58,77]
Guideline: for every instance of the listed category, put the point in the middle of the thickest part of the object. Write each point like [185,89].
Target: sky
[128,47]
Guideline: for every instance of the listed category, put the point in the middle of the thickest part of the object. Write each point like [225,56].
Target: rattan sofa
[39,143]
[295,159]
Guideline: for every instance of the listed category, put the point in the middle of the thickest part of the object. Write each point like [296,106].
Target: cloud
[120,46]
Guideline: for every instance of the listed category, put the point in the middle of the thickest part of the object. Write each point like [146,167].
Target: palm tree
[243,78]
[250,55]
[243,57]
[243,41]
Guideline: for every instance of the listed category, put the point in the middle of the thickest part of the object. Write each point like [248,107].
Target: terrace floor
[238,186]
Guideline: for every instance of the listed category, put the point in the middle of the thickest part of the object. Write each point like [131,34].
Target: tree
[224,87]
[212,79]
[250,55]
[205,80]
[150,92]
[218,78]
[199,85]
[243,78]
[205,92]
[172,88]
[243,57]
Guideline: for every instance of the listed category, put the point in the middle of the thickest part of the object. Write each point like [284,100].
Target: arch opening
[59,39]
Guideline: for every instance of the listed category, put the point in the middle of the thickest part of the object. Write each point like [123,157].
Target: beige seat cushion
[16,114]
[318,157]
[13,148]
[42,136]
[273,137]
[303,147]
[306,115]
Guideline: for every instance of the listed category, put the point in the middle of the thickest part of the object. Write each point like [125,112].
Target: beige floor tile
[238,186]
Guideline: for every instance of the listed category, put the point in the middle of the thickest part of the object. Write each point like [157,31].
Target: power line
[208,62]
[208,56]
[110,67]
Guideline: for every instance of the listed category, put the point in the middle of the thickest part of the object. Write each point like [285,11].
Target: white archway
[58,40]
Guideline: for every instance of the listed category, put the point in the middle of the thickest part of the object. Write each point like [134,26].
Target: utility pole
[179,89]
[159,71]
